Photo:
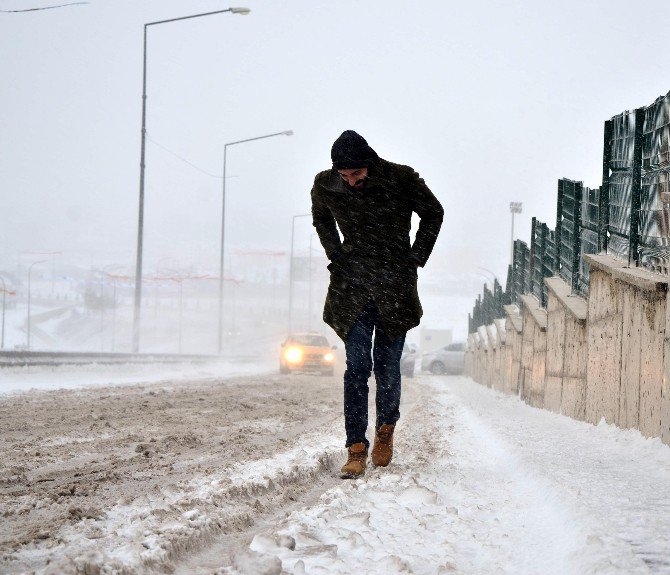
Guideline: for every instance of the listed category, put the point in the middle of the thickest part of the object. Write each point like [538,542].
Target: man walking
[373,279]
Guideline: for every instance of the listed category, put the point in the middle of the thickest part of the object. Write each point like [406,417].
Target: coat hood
[351,151]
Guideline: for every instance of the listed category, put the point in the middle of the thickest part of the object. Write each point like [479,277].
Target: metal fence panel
[656,138]
[590,234]
[520,270]
[623,157]
[543,259]
[628,215]
[620,192]
[623,141]
[654,217]
[568,229]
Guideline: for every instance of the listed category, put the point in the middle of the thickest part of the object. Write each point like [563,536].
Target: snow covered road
[241,476]
[483,483]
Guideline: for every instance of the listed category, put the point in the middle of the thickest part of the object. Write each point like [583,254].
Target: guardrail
[30,358]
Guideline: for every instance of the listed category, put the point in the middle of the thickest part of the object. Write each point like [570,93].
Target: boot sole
[351,475]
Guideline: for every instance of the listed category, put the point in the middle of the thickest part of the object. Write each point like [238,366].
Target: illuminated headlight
[293,355]
[328,357]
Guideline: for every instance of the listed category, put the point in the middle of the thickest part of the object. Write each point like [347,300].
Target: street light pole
[114,315]
[223,223]
[30,271]
[514,208]
[290,274]
[102,311]
[309,306]
[4,297]
[140,224]
[311,249]
[181,302]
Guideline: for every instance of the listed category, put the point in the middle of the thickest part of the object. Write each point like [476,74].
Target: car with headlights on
[308,352]
[448,359]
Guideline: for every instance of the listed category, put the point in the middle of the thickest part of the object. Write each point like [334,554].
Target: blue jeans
[386,353]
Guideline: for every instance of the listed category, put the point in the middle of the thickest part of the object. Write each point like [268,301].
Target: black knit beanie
[351,151]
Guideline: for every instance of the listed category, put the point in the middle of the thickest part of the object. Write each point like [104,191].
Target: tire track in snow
[512,509]
[175,466]
[602,484]
[401,519]
[175,523]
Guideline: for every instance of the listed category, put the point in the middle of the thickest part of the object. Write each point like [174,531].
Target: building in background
[433,339]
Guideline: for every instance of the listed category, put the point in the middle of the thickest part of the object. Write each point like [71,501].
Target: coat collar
[377,177]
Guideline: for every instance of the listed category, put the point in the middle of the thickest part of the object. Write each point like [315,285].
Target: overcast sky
[490,101]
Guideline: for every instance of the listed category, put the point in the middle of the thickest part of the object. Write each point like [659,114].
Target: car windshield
[309,340]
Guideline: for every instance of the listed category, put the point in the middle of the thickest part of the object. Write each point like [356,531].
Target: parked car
[447,359]
[407,361]
[307,352]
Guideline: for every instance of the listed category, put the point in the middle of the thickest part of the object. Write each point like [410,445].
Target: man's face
[355,177]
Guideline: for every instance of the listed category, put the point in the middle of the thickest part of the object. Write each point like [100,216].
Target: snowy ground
[17,379]
[239,475]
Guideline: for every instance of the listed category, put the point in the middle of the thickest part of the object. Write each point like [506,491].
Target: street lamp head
[242,11]
[288,133]
[515,207]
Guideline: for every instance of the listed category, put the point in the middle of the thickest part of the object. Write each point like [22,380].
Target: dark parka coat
[375,259]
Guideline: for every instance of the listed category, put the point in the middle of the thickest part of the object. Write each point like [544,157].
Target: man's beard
[360,184]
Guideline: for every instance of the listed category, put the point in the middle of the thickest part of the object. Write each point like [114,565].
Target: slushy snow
[482,483]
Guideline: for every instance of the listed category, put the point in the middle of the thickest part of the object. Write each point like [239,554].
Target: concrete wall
[502,361]
[603,372]
[555,353]
[514,343]
[494,357]
[534,350]
[566,350]
[573,394]
[526,363]
[626,345]
[602,358]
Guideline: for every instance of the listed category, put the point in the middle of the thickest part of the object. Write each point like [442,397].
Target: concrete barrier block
[491,367]
[552,393]
[526,368]
[573,399]
[604,371]
[604,299]
[501,330]
[605,326]
[507,367]
[629,408]
[516,364]
[555,336]
[665,416]
[555,353]
[538,382]
[604,296]
[665,386]
[493,344]
[493,373]
[534,351]
[653,311]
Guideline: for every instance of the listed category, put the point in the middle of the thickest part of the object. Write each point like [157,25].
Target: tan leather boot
[382,451]
[357,461]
